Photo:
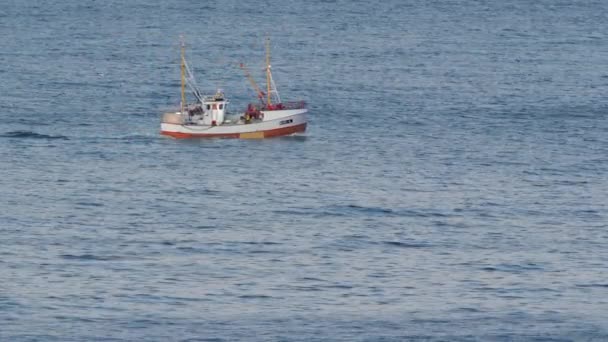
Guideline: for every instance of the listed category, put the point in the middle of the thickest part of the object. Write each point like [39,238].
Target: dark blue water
[452,184]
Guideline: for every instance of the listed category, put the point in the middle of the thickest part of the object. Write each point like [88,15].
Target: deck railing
[281,106]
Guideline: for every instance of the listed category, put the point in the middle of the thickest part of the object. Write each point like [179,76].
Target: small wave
[513,268]
[33,122]
[310,279]
[466,309]
[259,243]
[6,303]
[90,257]
[205,227]
[259,251]
[356,210]
[370,210]
[255,297]
[89,204]
[338,286]
[126,138]
[141,137]
[405,244]
[303,288]
[350,210]
[396,212]
[593,285]
[32,135]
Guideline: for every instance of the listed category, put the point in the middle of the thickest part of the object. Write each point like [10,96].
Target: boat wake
[296,137]
[32,135]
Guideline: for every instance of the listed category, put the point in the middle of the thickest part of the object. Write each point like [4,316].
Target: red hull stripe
[277,132]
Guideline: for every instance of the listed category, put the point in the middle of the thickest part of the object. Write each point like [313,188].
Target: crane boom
[257,89]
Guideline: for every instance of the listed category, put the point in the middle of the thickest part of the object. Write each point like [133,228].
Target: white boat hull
[275,123]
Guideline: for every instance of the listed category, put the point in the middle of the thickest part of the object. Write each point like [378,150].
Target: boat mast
[268,70]
[270,86]
[183,73]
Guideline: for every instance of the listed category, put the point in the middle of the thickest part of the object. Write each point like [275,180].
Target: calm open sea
[452,184]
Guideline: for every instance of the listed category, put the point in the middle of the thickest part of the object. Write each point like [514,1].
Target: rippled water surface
[452,184]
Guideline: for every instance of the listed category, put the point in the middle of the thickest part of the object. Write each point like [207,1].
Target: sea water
[452,184]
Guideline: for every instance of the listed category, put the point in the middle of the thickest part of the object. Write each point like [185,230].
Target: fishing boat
[207,116]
